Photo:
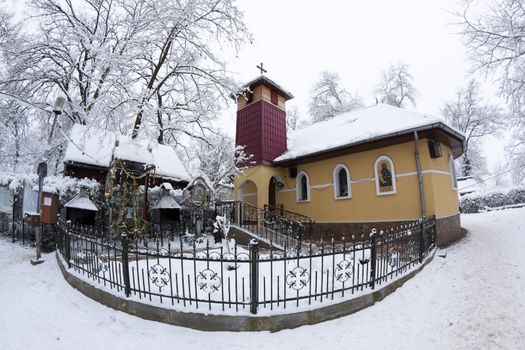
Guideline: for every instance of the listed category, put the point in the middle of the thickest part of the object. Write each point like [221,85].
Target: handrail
[288,213]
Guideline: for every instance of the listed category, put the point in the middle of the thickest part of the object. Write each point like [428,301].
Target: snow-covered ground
[472,299]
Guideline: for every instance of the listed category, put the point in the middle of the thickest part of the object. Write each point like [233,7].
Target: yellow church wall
[364,205]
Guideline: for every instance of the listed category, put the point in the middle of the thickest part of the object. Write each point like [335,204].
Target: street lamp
[58,107]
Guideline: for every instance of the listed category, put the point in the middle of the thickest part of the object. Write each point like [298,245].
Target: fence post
[254,276]
[373,258]
[421,239]
[67,244]
[241,214]
[125,264]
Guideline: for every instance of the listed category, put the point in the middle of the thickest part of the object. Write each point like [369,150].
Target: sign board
[30,199]
[6,200]
[47,201]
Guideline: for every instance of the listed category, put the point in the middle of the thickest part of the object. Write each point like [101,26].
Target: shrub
[474,202]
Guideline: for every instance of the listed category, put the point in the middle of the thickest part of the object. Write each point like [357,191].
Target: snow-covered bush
[474,202]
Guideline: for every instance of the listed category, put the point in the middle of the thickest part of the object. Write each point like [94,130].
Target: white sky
[297,40]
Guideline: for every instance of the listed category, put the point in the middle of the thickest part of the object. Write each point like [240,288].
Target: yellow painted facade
[365,205]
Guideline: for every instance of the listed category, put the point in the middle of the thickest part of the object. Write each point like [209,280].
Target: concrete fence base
[234,323]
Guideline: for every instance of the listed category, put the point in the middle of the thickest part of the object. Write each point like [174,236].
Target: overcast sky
[297,40]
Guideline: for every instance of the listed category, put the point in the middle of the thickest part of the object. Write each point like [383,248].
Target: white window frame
[336,184]
[453,175]
[298,187]
[376,176]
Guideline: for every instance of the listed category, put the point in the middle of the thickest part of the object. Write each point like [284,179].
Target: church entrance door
[271,192]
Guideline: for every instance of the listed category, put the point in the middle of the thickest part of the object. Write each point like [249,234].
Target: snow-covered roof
[134,151]
[88,146]
[81,202]
[267,81]
[99,147]
[468,185]
[166,202]
[364,125]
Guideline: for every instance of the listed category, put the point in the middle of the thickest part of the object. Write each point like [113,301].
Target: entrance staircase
[279,228]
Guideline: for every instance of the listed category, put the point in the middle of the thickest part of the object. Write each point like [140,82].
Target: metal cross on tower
[261,67]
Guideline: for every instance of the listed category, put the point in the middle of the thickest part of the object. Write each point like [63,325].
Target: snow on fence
[217,279]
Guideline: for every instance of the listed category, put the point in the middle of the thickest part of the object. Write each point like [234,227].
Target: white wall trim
[364,180]
[321,186]
[436,171]
[287,190]
[369,179]
[413,173]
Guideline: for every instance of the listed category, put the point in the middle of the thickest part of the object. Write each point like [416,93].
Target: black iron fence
[222,278]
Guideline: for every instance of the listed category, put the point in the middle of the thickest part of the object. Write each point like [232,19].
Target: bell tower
[261,119]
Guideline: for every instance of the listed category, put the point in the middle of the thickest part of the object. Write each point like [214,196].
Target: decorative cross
[261,67]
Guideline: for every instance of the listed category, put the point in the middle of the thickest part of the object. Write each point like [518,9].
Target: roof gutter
[419,177]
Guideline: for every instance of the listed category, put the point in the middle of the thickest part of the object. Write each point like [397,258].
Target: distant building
[353,172]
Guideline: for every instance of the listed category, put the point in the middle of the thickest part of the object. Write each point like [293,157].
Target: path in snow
[473,299]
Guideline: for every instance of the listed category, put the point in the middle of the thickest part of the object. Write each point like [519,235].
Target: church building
[376,167]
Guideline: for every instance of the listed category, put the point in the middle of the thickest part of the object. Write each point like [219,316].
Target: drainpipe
[419,177]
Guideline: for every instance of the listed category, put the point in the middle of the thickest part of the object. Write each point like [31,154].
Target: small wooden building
[91,153]
[81,210]
[167,209]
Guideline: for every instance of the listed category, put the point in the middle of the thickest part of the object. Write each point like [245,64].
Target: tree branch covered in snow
[134,65]
[329,99]
[218,160]
[396,86]
[494,34]
[476,119]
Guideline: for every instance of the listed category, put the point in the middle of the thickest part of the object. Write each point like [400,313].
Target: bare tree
[494,34]
[180,74]
[17,136]
[329,98]
[475,118]
[292,117]
[498,172]
[472,162]
[396,86]
[133,64]
[218,159]
[516,153]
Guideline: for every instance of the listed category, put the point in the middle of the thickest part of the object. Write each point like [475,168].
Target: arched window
[302,187]
[342,187]
[385,176]
[452,171]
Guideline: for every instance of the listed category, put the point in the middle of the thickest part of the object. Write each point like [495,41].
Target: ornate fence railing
[218,278]
[304,220]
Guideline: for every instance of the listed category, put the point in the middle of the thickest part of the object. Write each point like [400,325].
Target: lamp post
[42,173]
